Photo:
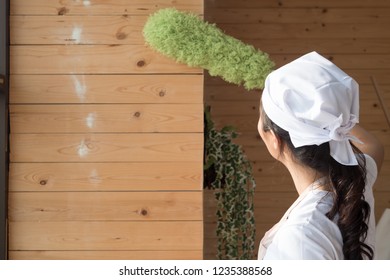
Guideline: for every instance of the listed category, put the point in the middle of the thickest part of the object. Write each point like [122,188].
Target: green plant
[188,39]
[228,172]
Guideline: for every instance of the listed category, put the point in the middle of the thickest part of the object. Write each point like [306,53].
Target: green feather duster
[187,39]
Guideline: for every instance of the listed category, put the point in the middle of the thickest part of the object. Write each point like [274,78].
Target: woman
[308,120]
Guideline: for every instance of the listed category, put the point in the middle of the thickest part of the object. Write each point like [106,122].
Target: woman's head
[316,102]
[307,110]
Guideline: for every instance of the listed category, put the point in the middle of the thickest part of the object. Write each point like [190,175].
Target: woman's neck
[302,176]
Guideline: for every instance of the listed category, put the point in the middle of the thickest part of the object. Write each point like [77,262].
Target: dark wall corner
[4,126]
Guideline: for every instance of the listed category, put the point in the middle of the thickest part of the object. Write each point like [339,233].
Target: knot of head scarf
[316,102]
[339,131]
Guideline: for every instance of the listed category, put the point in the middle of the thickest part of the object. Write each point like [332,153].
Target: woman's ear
[275,141]
[274,145]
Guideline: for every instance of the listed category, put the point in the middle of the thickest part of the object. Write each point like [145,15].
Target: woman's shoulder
[305,241]
[308,231]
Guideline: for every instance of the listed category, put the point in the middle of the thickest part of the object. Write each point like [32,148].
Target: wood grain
[312,15]
[107,147]
[92,59]
[70,236]
[104,206]
[106,118]
[346,62]
[100,7]
[49,30]
[304,30]
[106,135]
[350,45]
[138,176]
[54,89]
[253,4]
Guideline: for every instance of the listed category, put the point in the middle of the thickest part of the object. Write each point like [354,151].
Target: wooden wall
[352,33]
[106,135]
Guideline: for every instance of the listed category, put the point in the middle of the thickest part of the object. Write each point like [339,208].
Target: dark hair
[345,183]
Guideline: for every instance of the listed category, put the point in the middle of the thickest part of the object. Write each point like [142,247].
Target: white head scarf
[316,102]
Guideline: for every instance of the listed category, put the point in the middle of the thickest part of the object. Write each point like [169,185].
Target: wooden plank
[92,59]
[53,89]
[70,236]
[100,7]
[311,15]
[172,147]
[235,108]
[322,45]
[104,206]
[348,45]
[277,184]
[318,30]
[140,176]
[105,255]
[216,4]
[49,30]
[106,118]
[352,61]
[223,91]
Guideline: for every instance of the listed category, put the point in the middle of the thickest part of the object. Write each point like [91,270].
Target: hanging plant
[228,172]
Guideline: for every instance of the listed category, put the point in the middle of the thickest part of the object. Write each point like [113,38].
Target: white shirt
[304,232]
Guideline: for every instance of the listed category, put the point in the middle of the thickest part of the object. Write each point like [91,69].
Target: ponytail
[347,187]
